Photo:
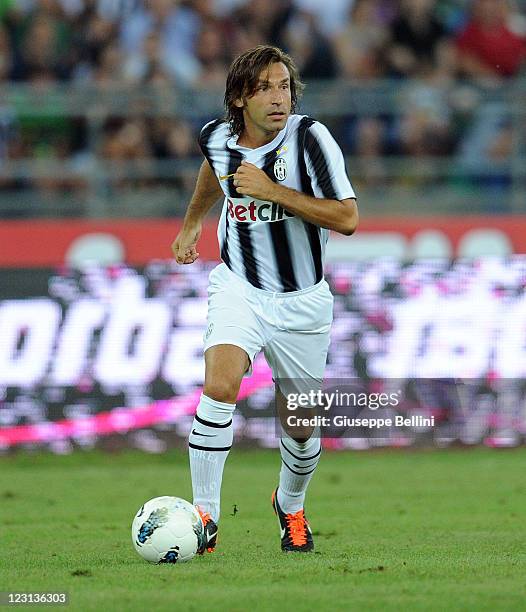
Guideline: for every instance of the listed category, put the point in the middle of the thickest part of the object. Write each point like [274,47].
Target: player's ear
[239,103]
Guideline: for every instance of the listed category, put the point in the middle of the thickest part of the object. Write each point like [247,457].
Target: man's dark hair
[243,76]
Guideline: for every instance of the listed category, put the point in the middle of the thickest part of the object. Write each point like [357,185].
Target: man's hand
[184,247]
[249,180]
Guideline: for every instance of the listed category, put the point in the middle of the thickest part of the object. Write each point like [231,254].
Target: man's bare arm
[206,193]
[338,215]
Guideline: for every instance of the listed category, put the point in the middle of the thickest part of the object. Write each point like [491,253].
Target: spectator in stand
[92,35]
[115,10]
[211,53]
[425,127]
[311,50]
[6,54]
[329,15]
[10,143]
[263,22]
[181,144]
[415,35]
[487,47]
[172,139]
[370,150]
[177,27]
[43,45]
[108,72]
[359,45]
[485,153]
[127,141]
[489,50]
[146,60]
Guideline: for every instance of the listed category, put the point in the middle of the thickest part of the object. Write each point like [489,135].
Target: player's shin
[209,444]
[298,463]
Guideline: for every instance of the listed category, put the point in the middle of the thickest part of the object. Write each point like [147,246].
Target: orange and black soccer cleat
[210,533]
[296,535]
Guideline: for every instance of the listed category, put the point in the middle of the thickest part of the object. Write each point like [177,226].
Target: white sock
[298,462]
[209,443]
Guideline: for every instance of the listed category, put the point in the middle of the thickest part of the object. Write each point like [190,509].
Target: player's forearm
[339,216]
[207,192]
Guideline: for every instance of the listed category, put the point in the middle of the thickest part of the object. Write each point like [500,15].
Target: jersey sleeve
[205,137]
[325,164]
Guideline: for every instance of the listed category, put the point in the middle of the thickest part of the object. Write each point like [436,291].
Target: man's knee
[300,430]
[222,390]
[224,368]
[301,435]
[300,439]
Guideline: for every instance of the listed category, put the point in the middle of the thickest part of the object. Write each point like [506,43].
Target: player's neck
[252,137]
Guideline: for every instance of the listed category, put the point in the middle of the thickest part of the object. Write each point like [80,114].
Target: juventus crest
[280,169]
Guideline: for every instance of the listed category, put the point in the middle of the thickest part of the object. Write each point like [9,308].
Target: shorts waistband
[276,294]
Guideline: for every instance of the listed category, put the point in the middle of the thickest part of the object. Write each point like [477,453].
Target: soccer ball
[167,530]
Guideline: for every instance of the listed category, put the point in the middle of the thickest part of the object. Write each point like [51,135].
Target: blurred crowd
[425,46]
[192,42]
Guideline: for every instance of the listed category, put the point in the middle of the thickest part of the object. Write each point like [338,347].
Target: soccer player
[285,186]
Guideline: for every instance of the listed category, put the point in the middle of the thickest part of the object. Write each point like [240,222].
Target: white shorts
[292,328]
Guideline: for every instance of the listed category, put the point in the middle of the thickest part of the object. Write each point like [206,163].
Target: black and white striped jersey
[273,249]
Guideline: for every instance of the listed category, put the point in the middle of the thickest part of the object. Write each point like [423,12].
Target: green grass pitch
[417,530]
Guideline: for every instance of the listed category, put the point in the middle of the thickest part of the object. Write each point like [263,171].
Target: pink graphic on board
[122,420]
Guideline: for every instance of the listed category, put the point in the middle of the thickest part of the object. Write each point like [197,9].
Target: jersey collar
[231,143]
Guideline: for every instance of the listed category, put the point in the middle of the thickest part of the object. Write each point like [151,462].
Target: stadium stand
[102,99]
